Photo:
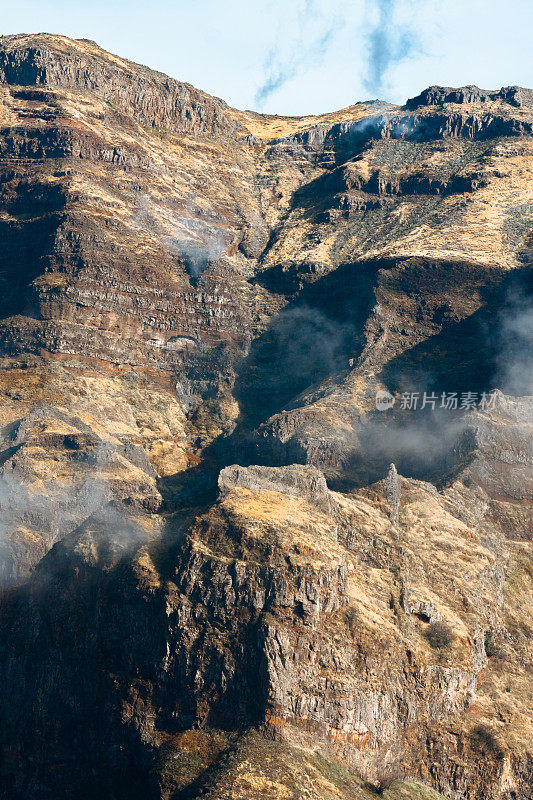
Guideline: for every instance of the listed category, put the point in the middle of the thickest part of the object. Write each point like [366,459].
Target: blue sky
[302,56]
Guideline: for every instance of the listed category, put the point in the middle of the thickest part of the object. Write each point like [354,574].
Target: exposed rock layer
[198,307]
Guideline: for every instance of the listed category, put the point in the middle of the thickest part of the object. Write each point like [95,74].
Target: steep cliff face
[214,583]
[149,97]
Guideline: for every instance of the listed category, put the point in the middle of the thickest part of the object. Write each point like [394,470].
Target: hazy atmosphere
[266,400]
[302,56]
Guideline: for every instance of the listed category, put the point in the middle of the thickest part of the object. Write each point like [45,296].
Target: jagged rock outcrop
[149,97]
[439,95]
[393,493]
[226,571]
[307,483]
[265,595]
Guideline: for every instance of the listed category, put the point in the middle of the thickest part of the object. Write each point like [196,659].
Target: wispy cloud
[286,60]
[388,45]
[515,352]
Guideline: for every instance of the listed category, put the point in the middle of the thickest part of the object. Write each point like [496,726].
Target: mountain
[227,571]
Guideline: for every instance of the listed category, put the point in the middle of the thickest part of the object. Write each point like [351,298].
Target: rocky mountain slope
[214,583]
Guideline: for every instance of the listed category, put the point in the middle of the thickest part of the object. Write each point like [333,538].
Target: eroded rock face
[307,483]
[150,97]
[56,472]
[222,564]
[272,613]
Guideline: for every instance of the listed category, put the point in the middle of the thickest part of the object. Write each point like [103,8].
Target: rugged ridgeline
[185,287]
